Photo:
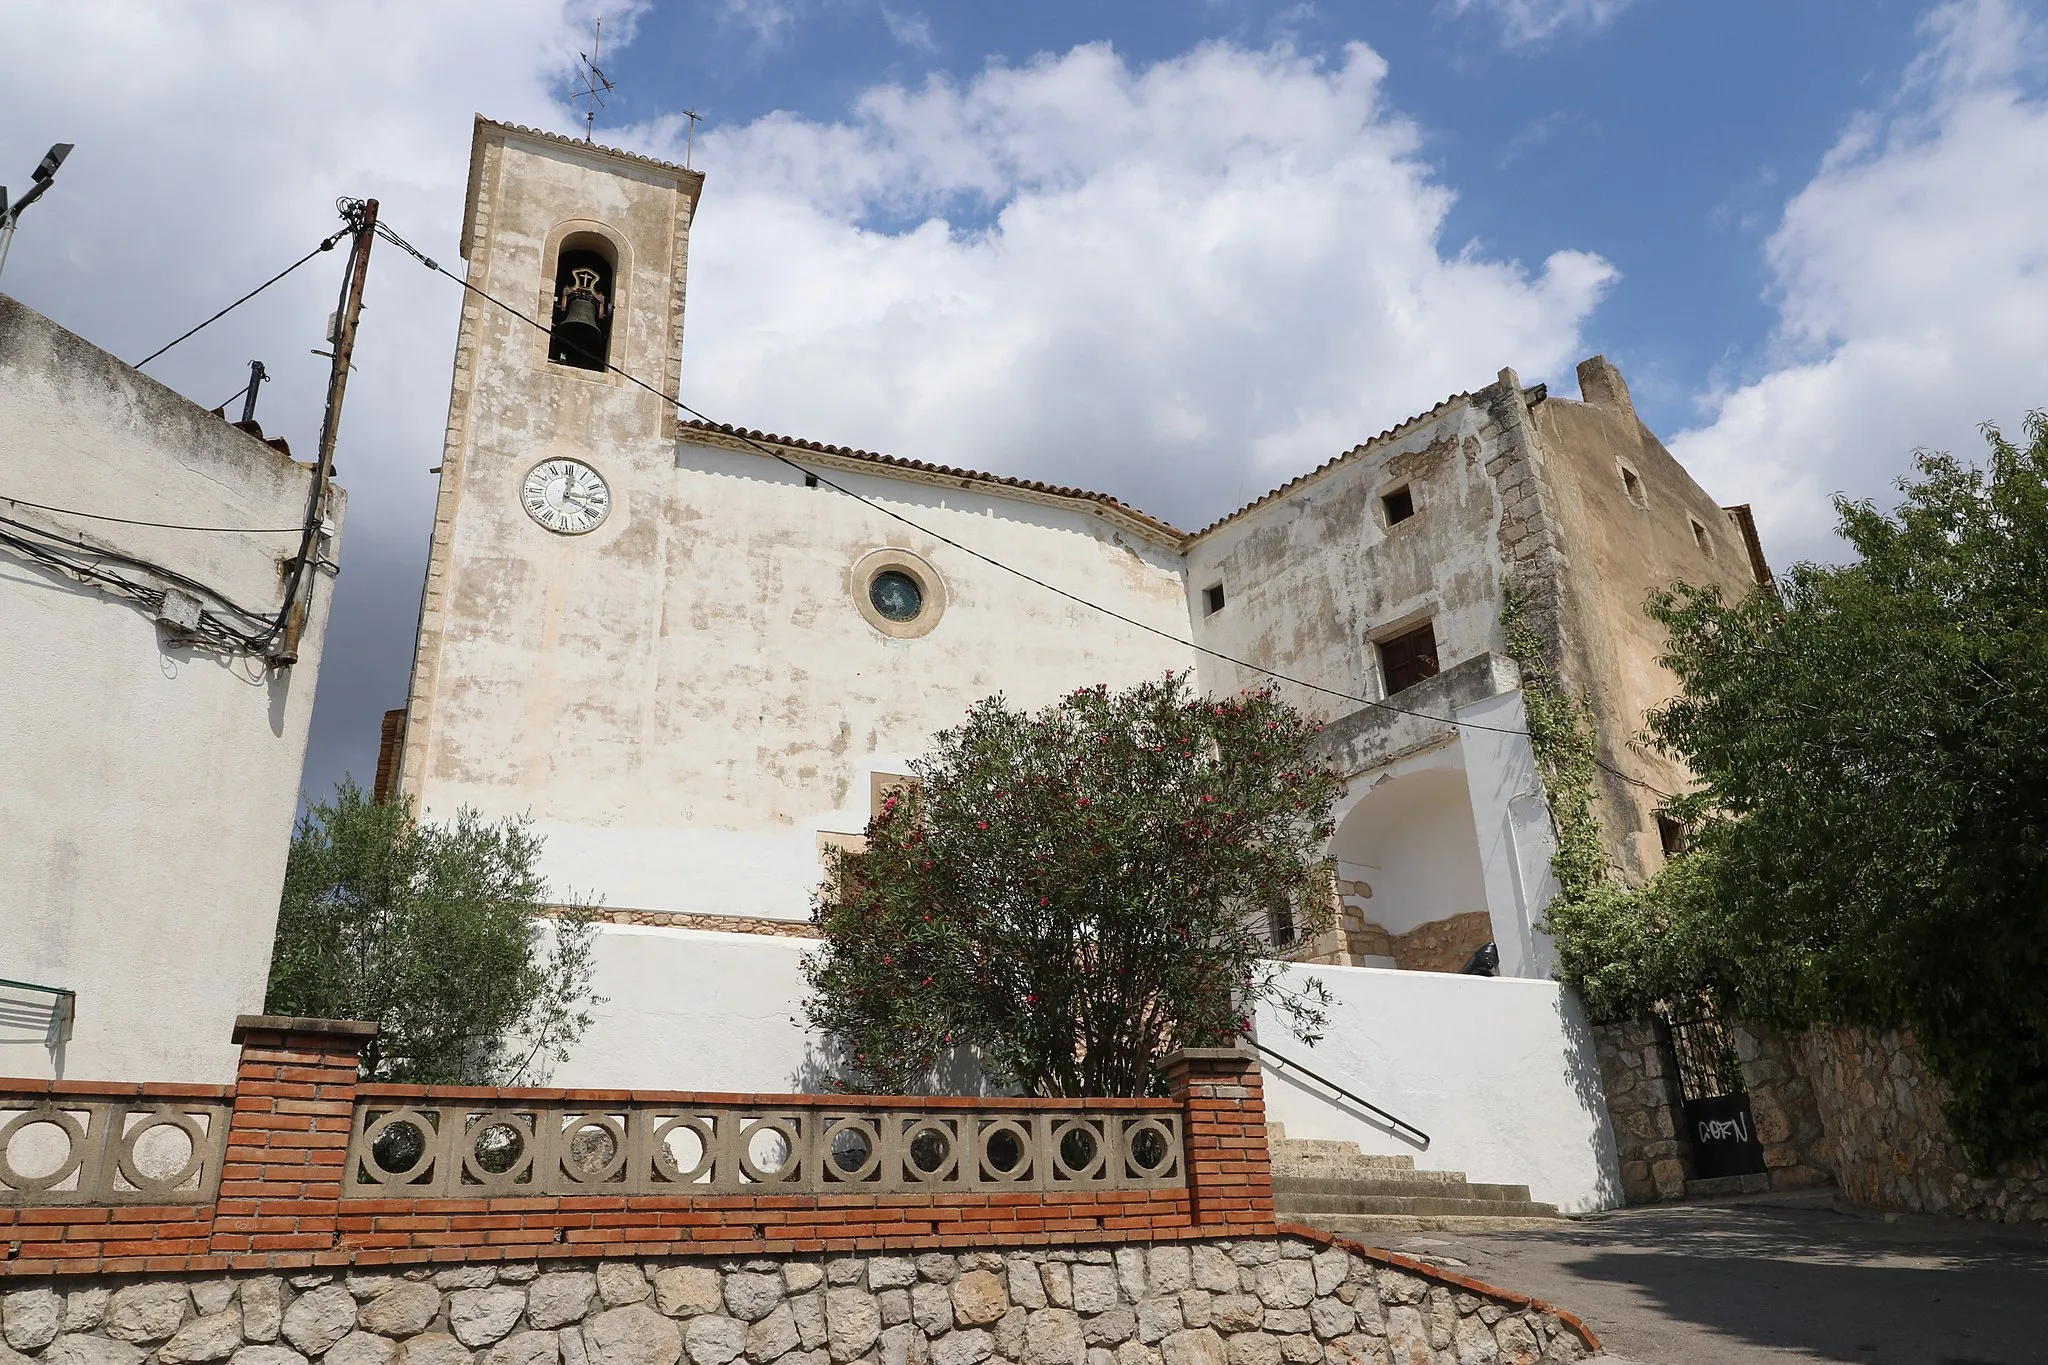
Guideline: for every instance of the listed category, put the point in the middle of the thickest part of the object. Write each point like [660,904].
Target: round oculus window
[896,595]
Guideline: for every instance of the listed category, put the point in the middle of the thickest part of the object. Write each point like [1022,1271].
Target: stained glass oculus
[896,595]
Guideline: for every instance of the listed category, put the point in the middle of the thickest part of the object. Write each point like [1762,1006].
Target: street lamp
[45,171]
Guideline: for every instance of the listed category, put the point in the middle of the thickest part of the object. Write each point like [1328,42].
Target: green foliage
[1071,895]
[436,933]
[1871,825]
[1623,948]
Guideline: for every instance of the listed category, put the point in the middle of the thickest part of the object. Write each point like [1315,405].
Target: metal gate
[1718,1121]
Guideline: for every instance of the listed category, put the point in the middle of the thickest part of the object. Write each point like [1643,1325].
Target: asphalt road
[1744,1283]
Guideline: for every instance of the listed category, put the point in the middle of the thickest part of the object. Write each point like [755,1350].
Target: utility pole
[363,217]
[44,172]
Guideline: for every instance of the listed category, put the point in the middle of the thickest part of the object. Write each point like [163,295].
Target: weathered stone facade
[1886,1139]
[1265,1301]
[1642,1104]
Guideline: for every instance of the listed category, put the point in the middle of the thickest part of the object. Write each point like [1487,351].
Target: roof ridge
[589,145]
[1397,429]
[947,471]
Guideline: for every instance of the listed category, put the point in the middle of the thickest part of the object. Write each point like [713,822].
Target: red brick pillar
[295,1097]
[1230,1169]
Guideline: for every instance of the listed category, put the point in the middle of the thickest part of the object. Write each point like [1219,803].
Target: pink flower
[982,824]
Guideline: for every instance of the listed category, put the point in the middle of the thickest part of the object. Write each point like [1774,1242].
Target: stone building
[695,666]
[152,721]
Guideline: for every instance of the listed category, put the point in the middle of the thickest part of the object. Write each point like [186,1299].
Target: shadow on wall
[827,1070]
[1323,1094]
[1582,1073]
[29,1020]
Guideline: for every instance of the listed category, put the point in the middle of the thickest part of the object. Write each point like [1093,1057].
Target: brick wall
[283,1159]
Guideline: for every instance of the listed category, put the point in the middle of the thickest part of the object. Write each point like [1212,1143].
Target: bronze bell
[580,329]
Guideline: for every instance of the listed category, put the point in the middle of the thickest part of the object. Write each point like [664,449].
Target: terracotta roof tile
[1167,530]
[1362,448]
[546,136]
[944,471]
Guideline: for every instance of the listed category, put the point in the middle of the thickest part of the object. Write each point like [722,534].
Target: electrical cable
[391,236]
[221,406]
[158,525]
[325,245]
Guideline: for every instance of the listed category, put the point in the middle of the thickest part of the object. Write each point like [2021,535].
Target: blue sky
[1180,252]
[1665,137]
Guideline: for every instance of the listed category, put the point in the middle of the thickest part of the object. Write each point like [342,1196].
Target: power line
[391,236]
[326,245]
[158,525]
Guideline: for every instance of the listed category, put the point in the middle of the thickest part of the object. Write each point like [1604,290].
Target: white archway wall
[1411,838]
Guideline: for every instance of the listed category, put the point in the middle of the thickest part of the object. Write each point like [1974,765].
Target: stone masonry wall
[1642,1105]
[1886,1138]
[1259,1301]
[1781,1098]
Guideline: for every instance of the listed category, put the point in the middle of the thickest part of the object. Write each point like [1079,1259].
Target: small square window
[1212,600]
[810,480]
[1671,835]
[1399,505]
[1408,658]
[1633,486]
[1700,536]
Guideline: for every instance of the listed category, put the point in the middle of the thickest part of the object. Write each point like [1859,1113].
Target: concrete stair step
[1295,1187]
[1376,1225]
[1316,1207]
[1307,1192]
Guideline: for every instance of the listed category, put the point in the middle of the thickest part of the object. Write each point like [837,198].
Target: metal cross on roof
[595,84]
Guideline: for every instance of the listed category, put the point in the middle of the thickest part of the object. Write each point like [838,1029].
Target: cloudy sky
[1179,250]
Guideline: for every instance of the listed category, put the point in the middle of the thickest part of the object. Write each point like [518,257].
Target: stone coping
[380,1094]
[246,1024]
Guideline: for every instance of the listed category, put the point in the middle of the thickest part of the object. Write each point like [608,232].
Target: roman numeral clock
[565,496]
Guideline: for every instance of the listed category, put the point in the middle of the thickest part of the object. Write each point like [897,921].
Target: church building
[696,664]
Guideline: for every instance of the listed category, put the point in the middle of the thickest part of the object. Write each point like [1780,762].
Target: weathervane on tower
[595,84]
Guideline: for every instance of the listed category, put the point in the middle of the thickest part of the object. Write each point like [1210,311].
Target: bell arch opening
[586,270]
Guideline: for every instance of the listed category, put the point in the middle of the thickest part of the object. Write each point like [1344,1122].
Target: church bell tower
[544,580]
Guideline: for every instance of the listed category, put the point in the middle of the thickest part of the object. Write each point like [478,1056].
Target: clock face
[568,497]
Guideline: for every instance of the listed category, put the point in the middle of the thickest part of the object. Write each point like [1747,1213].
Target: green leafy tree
[437,932]
[1072,894]
[1872,814]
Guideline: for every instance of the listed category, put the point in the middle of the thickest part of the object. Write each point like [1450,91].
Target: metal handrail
[1400,1125]
[63,1014]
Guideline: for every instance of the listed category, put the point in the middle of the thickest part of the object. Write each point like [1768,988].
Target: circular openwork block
[1148,1149]
[931,1151]
[497,1148]
[683,1139]
[1078,1151]
[1005,1151]
[397,1148]
[593,1149]
[20,1141]
[853,1150]
[148,1149]
[790,1168]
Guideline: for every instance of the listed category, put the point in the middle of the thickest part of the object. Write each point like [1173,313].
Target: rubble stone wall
[1261,1301]
[1886,1138]
[1642,1106]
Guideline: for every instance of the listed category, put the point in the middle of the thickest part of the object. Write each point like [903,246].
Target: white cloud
[909,28]
[767,20]
[1912,282]
[1181,284]
[1184,283]
[1531,21]
[213,139]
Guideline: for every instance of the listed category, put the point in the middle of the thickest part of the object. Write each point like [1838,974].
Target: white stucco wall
[149,788]
[1408,832]
[687,697]
[1499,1072]
[686,1010]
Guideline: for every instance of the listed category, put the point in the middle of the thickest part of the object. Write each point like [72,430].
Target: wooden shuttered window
[1408,658]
